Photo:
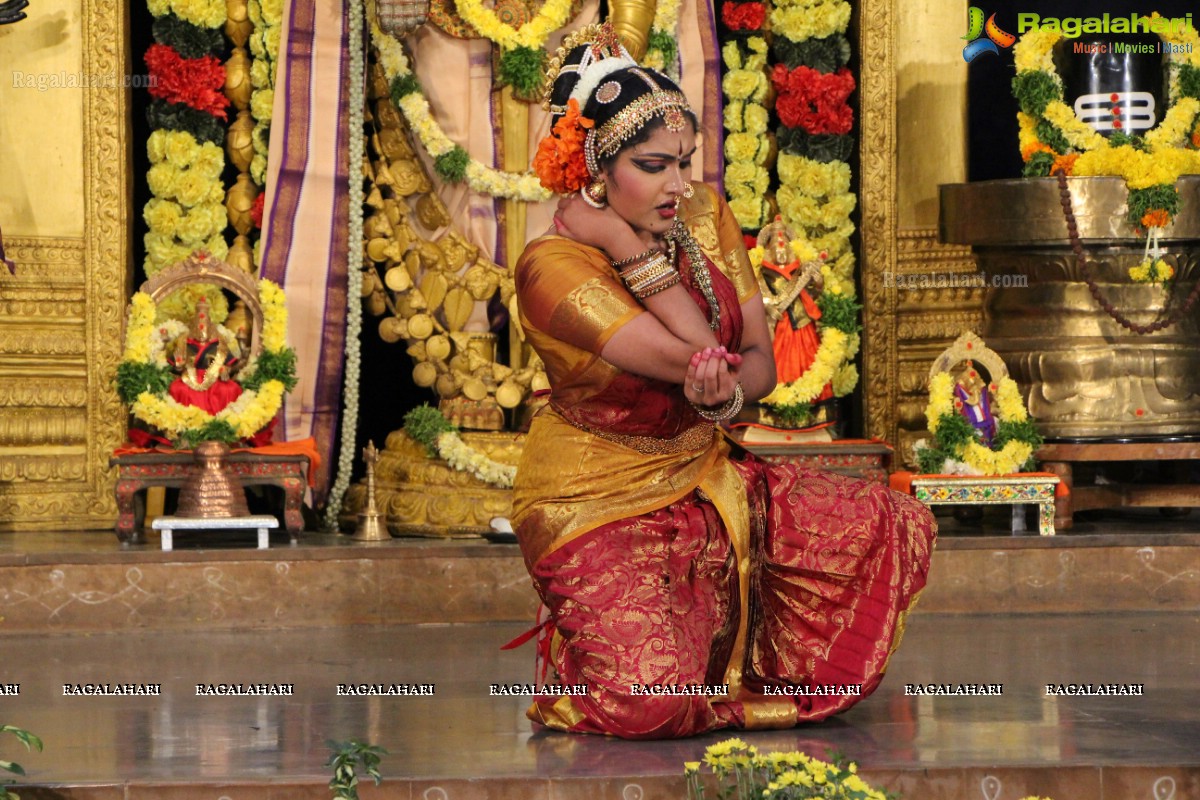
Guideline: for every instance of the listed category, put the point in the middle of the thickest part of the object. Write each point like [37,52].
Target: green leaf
[1189,81]
[452,166]
[1034,90]
[666,44]
[524,69]
[425,424]
[274,365]
[13,767]
[839,311]
[404,85]
[133,378]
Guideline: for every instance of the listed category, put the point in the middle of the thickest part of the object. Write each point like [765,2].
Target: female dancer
[687,587]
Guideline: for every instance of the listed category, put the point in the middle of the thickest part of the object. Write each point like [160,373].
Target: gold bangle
[669,281]
[625,262]
[652,264]
[727,411]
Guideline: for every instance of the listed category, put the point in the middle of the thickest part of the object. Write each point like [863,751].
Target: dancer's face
[647,180]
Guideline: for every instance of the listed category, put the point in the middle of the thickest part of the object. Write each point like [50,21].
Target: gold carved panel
[913,138]
[61,314]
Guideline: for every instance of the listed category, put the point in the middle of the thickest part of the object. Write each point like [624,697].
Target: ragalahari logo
[995,35]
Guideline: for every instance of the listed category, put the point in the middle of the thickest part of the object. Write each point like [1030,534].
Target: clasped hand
[712,376]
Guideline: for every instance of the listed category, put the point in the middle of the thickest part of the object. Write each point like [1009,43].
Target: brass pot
[1083,375]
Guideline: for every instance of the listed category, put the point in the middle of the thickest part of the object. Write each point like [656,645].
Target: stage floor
[463,743]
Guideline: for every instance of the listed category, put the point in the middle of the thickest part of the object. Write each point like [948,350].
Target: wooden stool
[137,471]
[1058,458]
[1019,490]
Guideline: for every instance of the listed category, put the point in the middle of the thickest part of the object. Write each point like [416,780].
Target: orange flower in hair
[560,163]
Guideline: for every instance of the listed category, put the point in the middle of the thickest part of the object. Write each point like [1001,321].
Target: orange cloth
[300,447]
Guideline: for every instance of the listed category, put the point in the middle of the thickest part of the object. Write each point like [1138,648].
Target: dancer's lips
[666,210]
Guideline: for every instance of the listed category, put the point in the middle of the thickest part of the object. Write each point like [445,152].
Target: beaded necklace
[679,237]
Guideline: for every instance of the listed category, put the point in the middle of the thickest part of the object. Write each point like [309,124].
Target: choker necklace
[679,237]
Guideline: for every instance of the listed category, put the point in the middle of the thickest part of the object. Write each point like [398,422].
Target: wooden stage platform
[1108,604]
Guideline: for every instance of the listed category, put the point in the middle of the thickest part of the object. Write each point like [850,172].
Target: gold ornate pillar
[64,205]
[913,100]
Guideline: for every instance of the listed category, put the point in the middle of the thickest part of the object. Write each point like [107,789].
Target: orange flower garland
[560,163]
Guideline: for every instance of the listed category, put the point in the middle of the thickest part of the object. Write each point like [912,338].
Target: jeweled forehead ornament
[608,138]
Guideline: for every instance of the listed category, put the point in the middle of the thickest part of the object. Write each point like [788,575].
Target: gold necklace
[680,237]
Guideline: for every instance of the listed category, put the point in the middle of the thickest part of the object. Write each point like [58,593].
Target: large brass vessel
[1084,376]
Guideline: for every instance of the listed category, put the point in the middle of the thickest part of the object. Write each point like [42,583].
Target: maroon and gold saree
[691,590]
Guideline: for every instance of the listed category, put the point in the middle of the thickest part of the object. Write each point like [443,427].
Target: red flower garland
[743,16]
[814,101]
[256,210]
[195,82]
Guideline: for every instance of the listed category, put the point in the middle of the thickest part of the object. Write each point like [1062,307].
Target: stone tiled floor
[466,744]
[76,607]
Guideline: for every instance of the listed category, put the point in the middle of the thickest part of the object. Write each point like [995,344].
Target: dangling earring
[689,191]
[595,194]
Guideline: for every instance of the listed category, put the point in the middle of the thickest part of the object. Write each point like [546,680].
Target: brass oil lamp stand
[371,527]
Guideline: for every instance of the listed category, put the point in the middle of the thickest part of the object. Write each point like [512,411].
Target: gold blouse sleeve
[571,293]
[733,251]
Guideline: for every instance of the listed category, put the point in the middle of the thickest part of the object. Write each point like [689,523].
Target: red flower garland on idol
[195,82]
[814,101]
[743,16]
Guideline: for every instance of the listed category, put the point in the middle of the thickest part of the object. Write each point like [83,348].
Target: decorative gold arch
[200,267]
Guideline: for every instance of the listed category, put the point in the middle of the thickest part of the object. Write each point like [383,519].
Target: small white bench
[168,525]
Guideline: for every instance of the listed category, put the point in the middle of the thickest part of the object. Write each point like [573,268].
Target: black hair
[632,86]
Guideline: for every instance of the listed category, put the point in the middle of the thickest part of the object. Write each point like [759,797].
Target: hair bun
[579,51]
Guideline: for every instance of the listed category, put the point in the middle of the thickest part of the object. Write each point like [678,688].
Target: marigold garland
[521,58]
[662,47]
[747,142]
[406,92]
[145,360]
[429,427]
[1051,135]
[813,86]
[812,100]
[194,82]
[957,448]
[187,209]
[743,16]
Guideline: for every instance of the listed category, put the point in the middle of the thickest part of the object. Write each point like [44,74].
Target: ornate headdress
[599,97]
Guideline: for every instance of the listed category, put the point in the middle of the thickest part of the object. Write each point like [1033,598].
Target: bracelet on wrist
[726,411]
[625,262]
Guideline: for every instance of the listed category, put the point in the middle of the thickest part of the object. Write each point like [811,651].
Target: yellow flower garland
[480,178]
[984,461]
[1167,159]
[249,414]
[533,34]
[666,20]
[801,19]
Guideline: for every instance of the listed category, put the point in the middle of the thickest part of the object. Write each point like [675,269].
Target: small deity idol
[791,289]
[973,399]
[204,359]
